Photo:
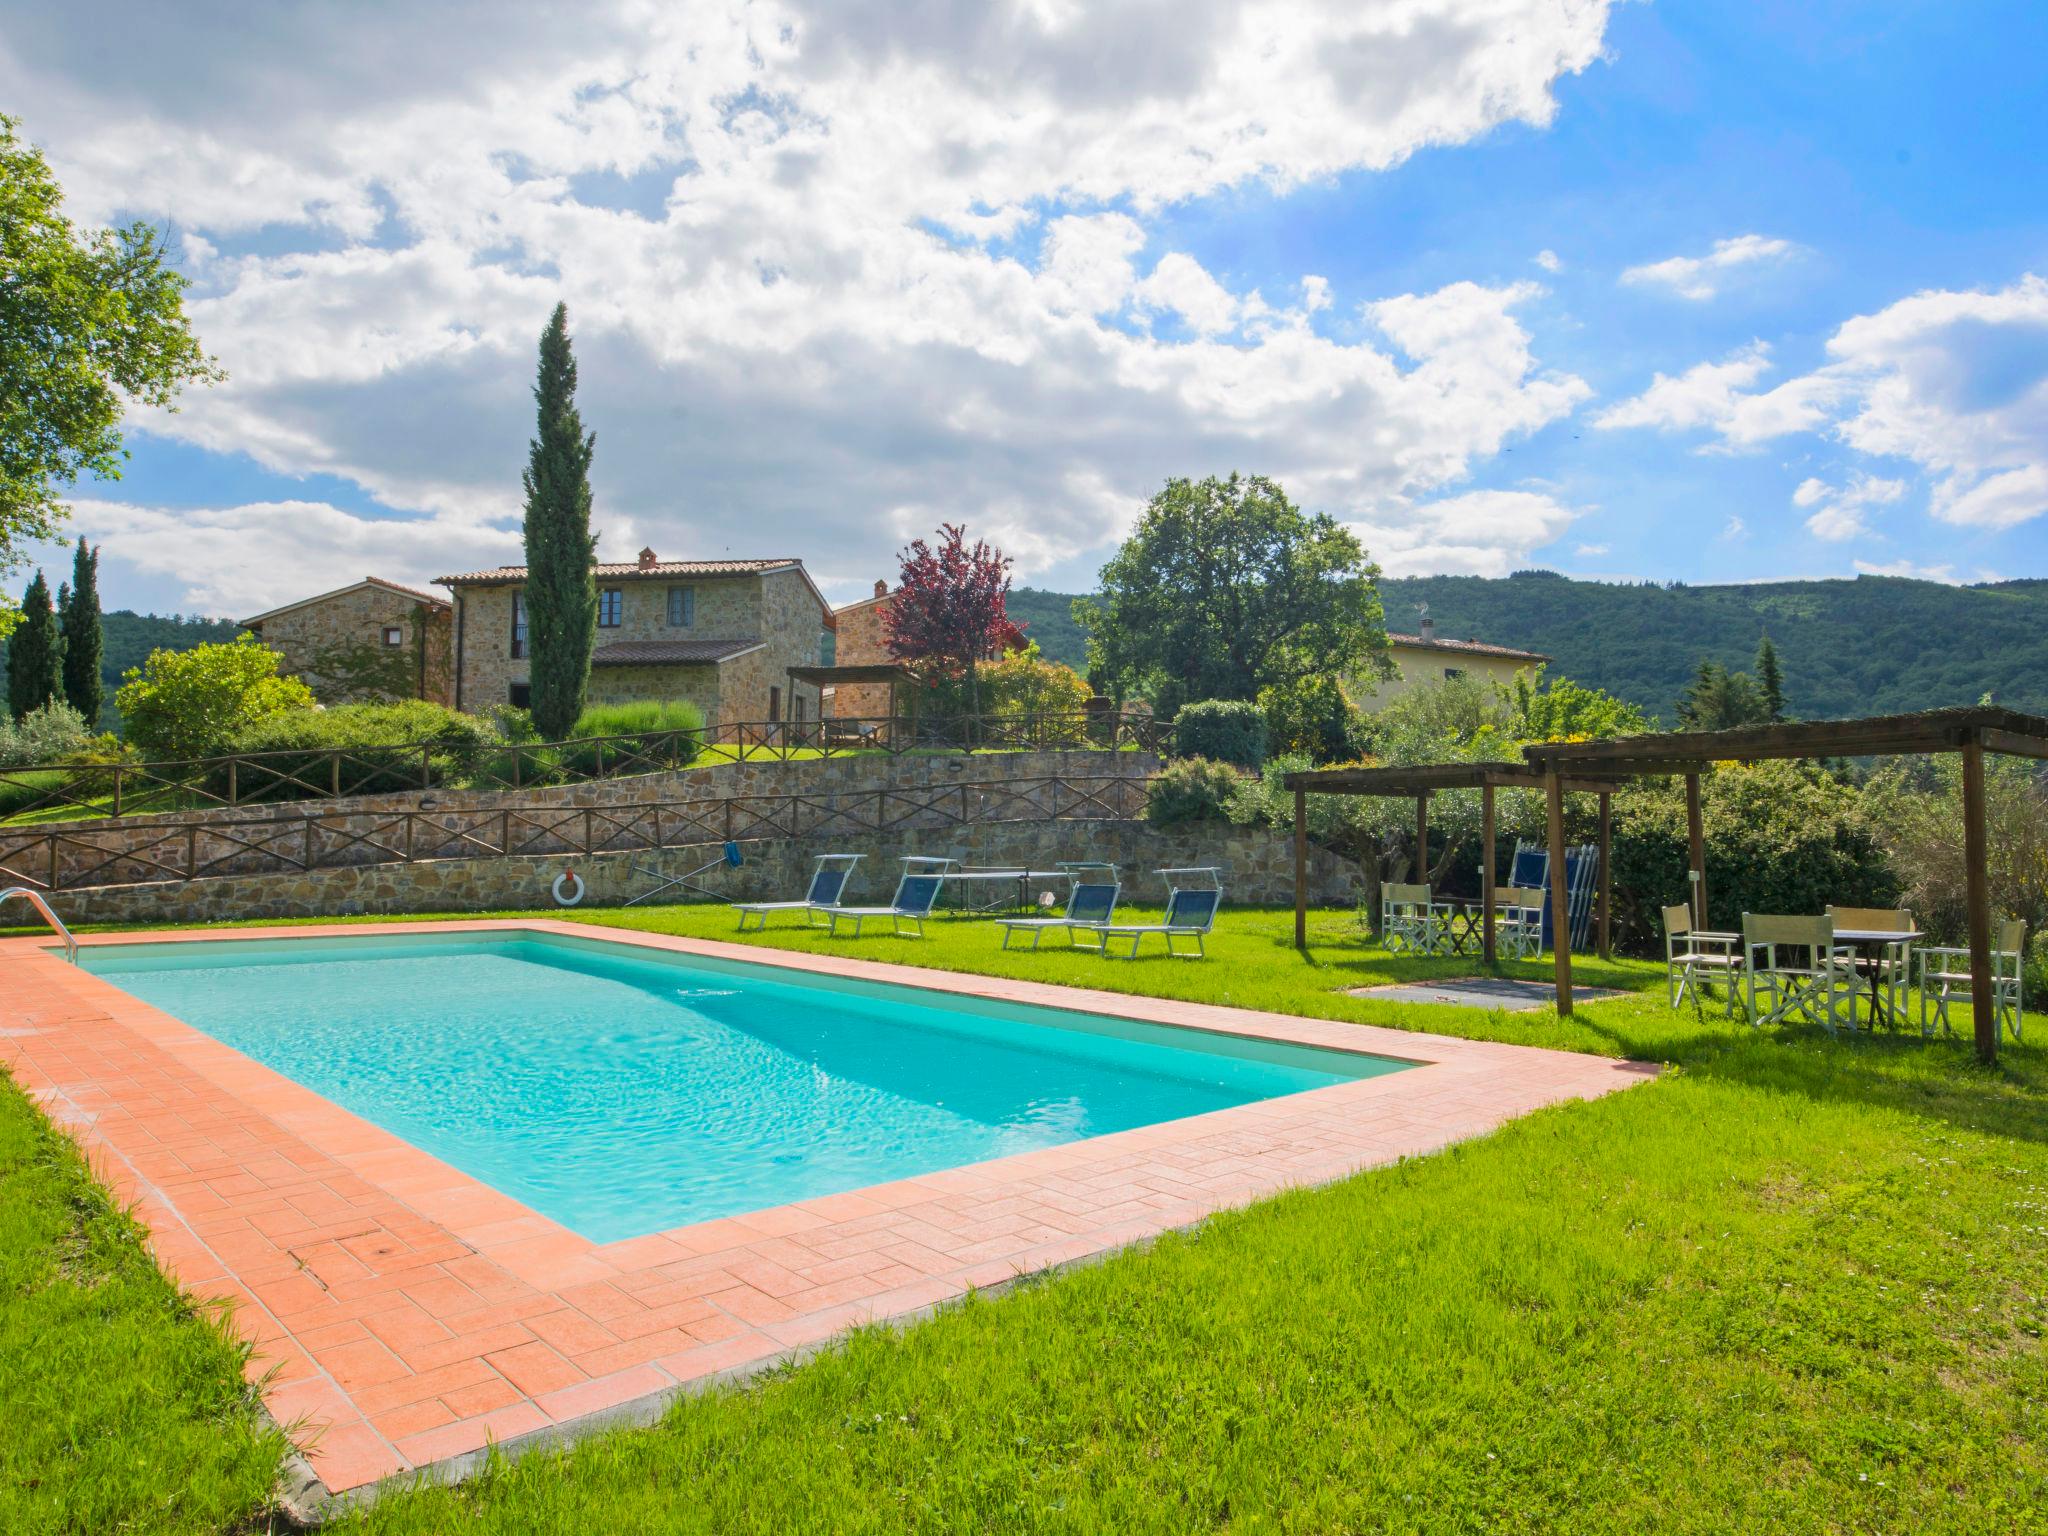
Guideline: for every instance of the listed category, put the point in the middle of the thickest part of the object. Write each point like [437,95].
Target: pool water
[622,1091]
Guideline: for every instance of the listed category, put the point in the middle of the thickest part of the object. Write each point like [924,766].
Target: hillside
[1874,645]
[129,637]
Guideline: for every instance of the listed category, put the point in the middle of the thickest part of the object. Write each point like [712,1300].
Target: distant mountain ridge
[1871,645]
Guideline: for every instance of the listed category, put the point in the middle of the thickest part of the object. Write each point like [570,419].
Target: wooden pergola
[1423,781]
[1971,732]
[832,677]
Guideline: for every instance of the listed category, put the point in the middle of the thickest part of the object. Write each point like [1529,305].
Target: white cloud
[244,559]
[1941,573]
[1590,551]
[1700,277]
[830,268]
[1478,533]
[1954,382]
[1734,530]
[1718,397]
[1548,261]
[1841,513]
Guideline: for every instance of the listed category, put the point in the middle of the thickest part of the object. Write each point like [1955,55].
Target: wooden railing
[285,842]
[93,790]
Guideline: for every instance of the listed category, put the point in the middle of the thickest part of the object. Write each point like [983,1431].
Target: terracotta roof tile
[655,653]
[624,569]
[1466,647]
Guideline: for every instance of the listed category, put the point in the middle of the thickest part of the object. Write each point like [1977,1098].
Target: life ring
[569,875]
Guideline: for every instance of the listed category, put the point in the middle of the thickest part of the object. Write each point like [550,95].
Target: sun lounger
[1091,902]
[1190,914]
[829,879]
[912,903]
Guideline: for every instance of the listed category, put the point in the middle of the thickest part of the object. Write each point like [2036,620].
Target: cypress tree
[83,641]
[1770,678]
[34,652]
[561,591]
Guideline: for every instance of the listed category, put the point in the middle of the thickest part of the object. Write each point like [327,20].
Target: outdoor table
[1022,877]
[1458,923]
[1870,945]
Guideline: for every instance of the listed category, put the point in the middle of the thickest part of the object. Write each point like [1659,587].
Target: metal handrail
[35,899]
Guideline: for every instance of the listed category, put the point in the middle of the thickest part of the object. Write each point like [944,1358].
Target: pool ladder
[35,899]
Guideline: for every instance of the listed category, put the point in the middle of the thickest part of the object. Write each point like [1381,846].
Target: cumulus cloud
[833,270]
[1841,512]
[244,559]
[1954,382]
[1701,277]
[1549,261]
[1478,533]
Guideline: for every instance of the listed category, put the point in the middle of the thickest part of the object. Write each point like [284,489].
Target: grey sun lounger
[829,880]
[1190,914]
[915,893]
[1091,902]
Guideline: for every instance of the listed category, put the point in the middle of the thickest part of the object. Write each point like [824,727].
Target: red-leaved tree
[947,611]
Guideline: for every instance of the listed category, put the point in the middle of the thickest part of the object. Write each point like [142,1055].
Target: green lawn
[1797,1283]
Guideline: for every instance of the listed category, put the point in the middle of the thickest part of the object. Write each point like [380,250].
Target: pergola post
[1301,869]
[1486,872]
[1560,903]
[1422,838]
[1696,842]
[1606,875]
[1977,887]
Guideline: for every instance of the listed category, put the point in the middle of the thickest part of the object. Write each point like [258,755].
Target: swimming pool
[621,1090]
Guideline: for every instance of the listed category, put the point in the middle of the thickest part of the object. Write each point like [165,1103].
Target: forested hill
[1874,645]
[127,638]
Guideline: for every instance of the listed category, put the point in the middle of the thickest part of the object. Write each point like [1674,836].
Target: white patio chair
[1696,957]
[1792,964]
[1409,920]
[1891,972]
[1518,922]
[1945,971]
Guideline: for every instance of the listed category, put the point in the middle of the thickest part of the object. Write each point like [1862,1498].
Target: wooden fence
[55,858]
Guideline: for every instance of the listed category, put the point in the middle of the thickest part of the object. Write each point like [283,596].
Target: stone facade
[860,643]
[340,643]
[1257,865]
[776,611]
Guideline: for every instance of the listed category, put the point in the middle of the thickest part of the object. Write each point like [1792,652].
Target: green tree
[1720,700]
[34,653]
[88,321]
[1564,710]
[83,641]
[561,591]
[1770,678]
[184,704]
[1225,588]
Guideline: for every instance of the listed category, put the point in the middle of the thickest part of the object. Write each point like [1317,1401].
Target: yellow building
[1420,660]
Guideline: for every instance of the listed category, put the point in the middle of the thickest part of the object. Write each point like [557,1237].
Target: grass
[121,1408]
[1797,1283]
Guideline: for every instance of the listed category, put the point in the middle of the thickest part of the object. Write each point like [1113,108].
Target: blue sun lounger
[829,879]
[1091,902]
[915,892]
[1190,914]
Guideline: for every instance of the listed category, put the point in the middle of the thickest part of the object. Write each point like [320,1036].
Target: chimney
[1428,627]
[647,559]
[881,589]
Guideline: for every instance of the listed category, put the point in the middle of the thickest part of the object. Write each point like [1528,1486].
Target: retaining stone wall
[1258,869]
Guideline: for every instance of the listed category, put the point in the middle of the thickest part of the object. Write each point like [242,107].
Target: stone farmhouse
[375,639]
[722,634]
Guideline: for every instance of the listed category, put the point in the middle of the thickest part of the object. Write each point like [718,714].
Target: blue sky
[840,272]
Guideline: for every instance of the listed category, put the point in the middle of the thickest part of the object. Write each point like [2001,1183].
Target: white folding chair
[1945,971]
[1408,920]
[1793,967]
[1694,958]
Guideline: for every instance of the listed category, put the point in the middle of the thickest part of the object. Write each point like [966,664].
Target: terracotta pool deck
[406,1315]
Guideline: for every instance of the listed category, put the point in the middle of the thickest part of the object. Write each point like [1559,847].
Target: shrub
[46,734]
[1223,730]
[1313,718]
[1918,811]
[183,704]
[646,717]
[1780,837]
[1194,789]
[381,741]
[649,741]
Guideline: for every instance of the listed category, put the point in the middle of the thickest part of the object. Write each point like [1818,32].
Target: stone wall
[697,683]
[359,827]
[860,644]
[336,644]
[1258,870]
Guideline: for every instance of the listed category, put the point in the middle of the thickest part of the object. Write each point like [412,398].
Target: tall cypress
[561,590]
[34,652]
[1770,677]
[83,641]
